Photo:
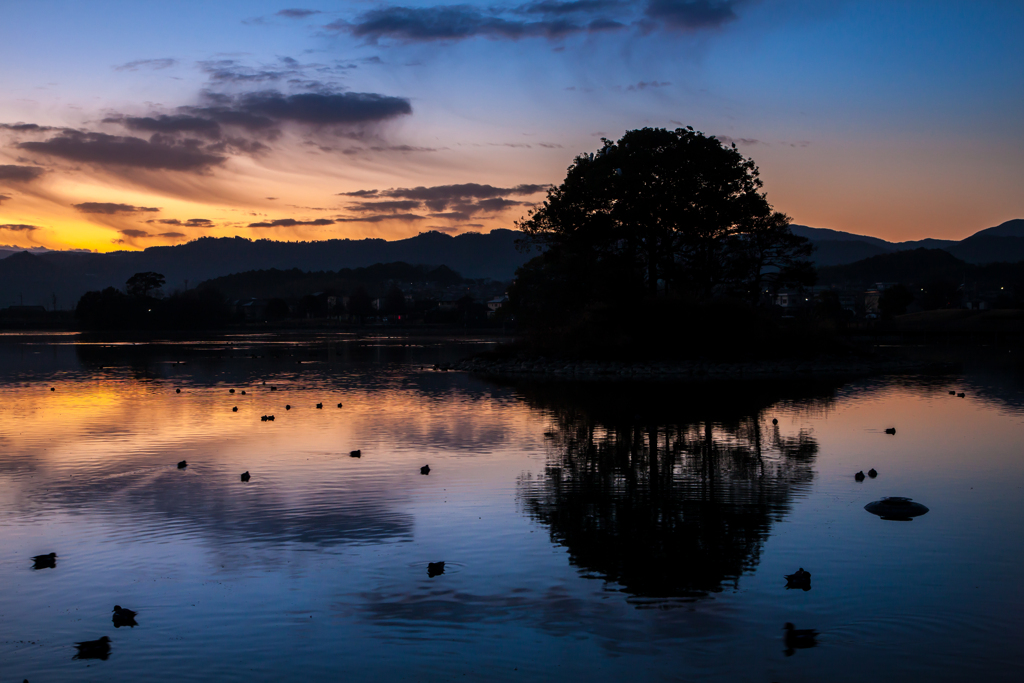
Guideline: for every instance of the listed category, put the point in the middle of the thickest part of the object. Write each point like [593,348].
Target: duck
[235,409]
[435,569]
[890,430]
[799,638]
[123,617]
[177,391]
[425,469]
[288,407]
[231,391]
[775,420]
[320,405]
[53,389]
[952,393]
[93,649]
[859,476]
[48,561]
[339,405]
[355,454]
[183,464]
[243,392]
[245,476]
[872,473]
[799,579]
[961,395]
[273,388]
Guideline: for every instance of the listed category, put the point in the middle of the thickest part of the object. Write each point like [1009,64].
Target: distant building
[494,305]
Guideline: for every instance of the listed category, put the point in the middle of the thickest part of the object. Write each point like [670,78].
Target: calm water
[590,531]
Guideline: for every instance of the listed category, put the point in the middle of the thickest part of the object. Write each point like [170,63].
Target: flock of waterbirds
[121,616]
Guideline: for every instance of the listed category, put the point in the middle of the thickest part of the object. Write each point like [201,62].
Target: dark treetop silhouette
[652,223]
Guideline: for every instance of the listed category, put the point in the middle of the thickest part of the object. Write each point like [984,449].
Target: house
[494,305]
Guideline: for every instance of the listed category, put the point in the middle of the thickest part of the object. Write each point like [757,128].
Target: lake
[589,531]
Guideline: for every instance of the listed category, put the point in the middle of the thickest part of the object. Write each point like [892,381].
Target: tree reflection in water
[667,495]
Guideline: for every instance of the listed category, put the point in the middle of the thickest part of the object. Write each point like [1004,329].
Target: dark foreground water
[589,531]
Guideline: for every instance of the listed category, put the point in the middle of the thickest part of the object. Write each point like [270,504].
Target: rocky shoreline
[775,369]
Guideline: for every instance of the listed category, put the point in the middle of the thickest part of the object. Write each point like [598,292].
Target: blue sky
[900,120]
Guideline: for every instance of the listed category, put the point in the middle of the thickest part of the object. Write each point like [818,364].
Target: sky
[125,125]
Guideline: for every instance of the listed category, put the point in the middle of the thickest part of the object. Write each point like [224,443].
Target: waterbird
[319,405]
[775,420]
[52,389]
[48,561]
[288,407]
[177,391]
[952,393]
[355,454]
[890,430]
[872,473]
[859,476]
[799,579]
[435,569]
[339,405]
[235,409]
[799,638]
[183,464]
[245,475]
[123,617]
[425,469]
[93,649]
[272,388]
[243,392]
[231,391]
[549,435]
[961,395]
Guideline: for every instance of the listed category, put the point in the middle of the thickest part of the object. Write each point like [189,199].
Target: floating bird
[872,473]
[890,430]
[231,391]
[799,579]
[859,476]
[93,649]
[245,475]
[952,393]
[243,392]
[235,409]
[799,638]
[183,464]
[272,388]
[288,407]
[339,405]
[123,617]
[775,420]
[425,469]
[177,391]
[961,395]
[319,405]
[45,561]
[549,435]
[355,454]
[52,389]
[435,569]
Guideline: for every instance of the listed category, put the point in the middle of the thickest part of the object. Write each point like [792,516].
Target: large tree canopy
[657,215]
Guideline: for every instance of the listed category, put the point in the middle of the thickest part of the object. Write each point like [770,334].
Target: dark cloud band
[21,174]
[102,149]
[110,208]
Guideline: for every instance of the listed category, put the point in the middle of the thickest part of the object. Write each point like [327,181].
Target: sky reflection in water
[588,531]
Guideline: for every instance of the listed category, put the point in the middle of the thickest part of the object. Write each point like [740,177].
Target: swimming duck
[177,391]
[872,473]
[799,579]
[288,407]
[231,391]
[355,454]
[859,476]
[183,464]
[775,420]
[243,392]
[961,395]
[245,476]
[952,393]
[799,638]
[319,405]
[48,561]
[425,469]
[890,430]
[435,569]
[52,389]
[123,617]
[93,649]
[339,405]
[235,409]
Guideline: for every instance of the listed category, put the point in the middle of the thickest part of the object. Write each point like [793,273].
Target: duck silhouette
[123,617]
[339,405]
[890,430]
[320,405]
[288,406]
[952,393]
[231,391]
[243,392]
[48,561]
[52,389]
[273,388]
[775,420]
[961,395]
[177,391]
[245,476]
[435,569]
[93,649]
[235,409]
[183,464]
[872,473]
[355,454]
[425,469]
[799,638]
[859,476]
[799,579]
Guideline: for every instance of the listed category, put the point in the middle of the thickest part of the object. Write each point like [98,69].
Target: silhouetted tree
[360,304]
[141,284]
[894,300]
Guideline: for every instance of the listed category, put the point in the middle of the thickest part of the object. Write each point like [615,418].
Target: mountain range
[59,278]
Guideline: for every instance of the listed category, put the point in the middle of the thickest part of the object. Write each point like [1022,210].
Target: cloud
[163,123]
[4,198]
[324,108]
[290,222]
[643,85]
[163,63]
[109,208]
[190,223]
[298,13]
[459,22]
[26,127]
[691,15]
[396,205]
[133,233]
[19,227]
[439,197]
[727,140]
[21,174]
[404,217]
[158,153]
[359,193]
[172,235]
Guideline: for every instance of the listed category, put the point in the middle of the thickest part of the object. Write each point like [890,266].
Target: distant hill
[34,279]
[914,266]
